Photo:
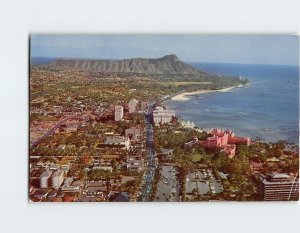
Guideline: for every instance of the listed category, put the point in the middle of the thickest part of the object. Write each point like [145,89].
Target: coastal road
[150,171]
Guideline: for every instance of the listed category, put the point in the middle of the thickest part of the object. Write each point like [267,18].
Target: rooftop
[115,140]
[279,176]
[121,197]
[58,173]
[46,174]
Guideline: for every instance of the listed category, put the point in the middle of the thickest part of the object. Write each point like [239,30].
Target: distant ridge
[169,64]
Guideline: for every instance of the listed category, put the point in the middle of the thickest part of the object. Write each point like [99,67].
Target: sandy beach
[184,96]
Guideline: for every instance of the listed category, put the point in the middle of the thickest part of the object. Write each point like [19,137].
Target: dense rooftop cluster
[90,140]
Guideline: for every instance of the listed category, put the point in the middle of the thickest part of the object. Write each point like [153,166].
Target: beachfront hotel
[229,137]
[224,140]
[279,187]
[119,112]
[162,116]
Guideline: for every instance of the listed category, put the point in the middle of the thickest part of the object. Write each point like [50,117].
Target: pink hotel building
[225,140]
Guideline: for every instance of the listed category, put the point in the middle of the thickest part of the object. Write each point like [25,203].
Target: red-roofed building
[224,140]
[229,150]
[255,166]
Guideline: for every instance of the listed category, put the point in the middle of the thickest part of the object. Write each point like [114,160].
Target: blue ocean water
[41,60]
[268,108]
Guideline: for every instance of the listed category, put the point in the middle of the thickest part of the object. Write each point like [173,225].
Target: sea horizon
[284,126]
[44,60]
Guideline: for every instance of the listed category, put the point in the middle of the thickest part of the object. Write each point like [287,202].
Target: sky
[247,49]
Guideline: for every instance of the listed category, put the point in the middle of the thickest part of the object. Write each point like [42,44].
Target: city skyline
[245,49]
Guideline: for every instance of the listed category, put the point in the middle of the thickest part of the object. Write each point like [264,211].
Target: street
[150,162]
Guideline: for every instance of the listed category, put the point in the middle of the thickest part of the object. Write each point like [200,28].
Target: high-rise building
[132,105]
[279,187]
[144,105]
[57,179]
[119,112]
[161,115]
[44,179]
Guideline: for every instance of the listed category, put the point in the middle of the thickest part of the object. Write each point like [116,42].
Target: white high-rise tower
[119,112]
[132,105]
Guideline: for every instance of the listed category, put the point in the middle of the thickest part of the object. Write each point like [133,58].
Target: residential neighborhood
[98,137]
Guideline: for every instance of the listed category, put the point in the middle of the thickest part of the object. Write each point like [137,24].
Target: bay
[268,108]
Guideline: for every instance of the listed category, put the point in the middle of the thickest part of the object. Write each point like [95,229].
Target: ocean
[41,60]
[268,108]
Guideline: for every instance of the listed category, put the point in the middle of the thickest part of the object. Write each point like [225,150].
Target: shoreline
[184,96]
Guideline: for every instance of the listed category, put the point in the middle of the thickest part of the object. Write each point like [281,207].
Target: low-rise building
[190,143]
[103,167]
[166,155]
[68,185]
[72,128]
[187,124]
[133,134]
[117,142]
[54,167]
[134,164]
[256,166]
[41,194]
[121,197]
[110,157]
[229,150]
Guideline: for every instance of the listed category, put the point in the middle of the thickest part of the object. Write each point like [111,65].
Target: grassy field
[178,84]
